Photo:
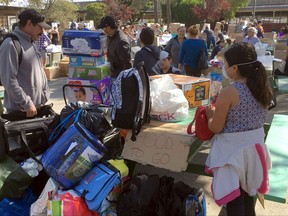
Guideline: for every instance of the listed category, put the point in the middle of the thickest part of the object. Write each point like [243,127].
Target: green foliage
[139,7]
[188,2]
[181,12]
[5,2]
[235,5]
[62,11]
[95,11]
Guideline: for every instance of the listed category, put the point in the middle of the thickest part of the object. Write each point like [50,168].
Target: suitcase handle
[79,86]
[24,139]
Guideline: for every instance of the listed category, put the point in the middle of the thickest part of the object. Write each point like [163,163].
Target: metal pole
[254,10]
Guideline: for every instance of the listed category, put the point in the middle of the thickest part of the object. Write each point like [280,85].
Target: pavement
[271,208]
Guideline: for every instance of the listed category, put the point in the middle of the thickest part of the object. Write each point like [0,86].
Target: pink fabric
[264,188]
[207,170]
[233,195]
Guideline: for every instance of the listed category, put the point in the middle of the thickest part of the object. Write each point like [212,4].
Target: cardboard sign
[162,146]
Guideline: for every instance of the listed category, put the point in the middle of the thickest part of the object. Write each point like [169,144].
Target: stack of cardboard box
[174,27]
[64,66]
[87,67]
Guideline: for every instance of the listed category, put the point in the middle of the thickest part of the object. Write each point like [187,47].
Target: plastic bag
[39,208]
[168,101]
[67,203]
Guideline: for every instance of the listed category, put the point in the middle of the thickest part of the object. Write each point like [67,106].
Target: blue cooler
[72,155]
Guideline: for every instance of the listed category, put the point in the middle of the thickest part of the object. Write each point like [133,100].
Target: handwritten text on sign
[159,148]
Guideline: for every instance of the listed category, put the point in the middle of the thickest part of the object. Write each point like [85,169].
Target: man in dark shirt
[118,47]
[218,48]
[165,64]
[210,37]
[149,53]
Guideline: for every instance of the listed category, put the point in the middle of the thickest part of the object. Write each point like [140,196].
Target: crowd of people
[237,118]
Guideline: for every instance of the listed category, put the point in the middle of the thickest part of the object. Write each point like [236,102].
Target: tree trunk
[156,11]
[168,11]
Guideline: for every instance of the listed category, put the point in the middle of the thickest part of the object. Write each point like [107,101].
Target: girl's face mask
[224,72]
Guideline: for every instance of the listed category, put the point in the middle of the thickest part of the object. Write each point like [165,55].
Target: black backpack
[17,45]
[130,99]
[150,195]
[140,197]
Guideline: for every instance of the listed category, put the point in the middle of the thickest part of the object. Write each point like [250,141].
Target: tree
[5,2]
[181,11]
[235,5]
[215,10]
[42,5]
[95,11]
[168,10]
[120,12]
[55,10]
[211,10]
[128,10]
[62,11]
[139,8]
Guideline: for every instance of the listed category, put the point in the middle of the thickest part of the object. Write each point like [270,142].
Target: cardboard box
[90,43]
[86,61]
[166,146]
[174,26]
[64,68]
[91,73]
[195,89]
[91,94]
[52,72]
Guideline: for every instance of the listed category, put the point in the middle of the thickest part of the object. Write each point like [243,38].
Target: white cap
[164,55]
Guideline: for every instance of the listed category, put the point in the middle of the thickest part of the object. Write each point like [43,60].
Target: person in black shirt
[165,64]
[118,47]
[210,37]
[149,53]
[218,48]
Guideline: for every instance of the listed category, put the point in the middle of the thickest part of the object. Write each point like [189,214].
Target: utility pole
[254,10]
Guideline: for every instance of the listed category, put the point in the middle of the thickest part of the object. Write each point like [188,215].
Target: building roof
[264,8]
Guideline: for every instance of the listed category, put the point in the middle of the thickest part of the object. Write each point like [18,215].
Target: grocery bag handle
[55,133]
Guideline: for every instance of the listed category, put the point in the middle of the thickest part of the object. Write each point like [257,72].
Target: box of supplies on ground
[93,73]
[195,89]
[89,61]
[89,43]
[52,72]
[88,94]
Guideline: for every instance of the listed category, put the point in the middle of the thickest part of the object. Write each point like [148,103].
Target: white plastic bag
[39,208]
[168,101]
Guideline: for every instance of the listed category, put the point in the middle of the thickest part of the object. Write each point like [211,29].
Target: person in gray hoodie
[25,83]
[149,53]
